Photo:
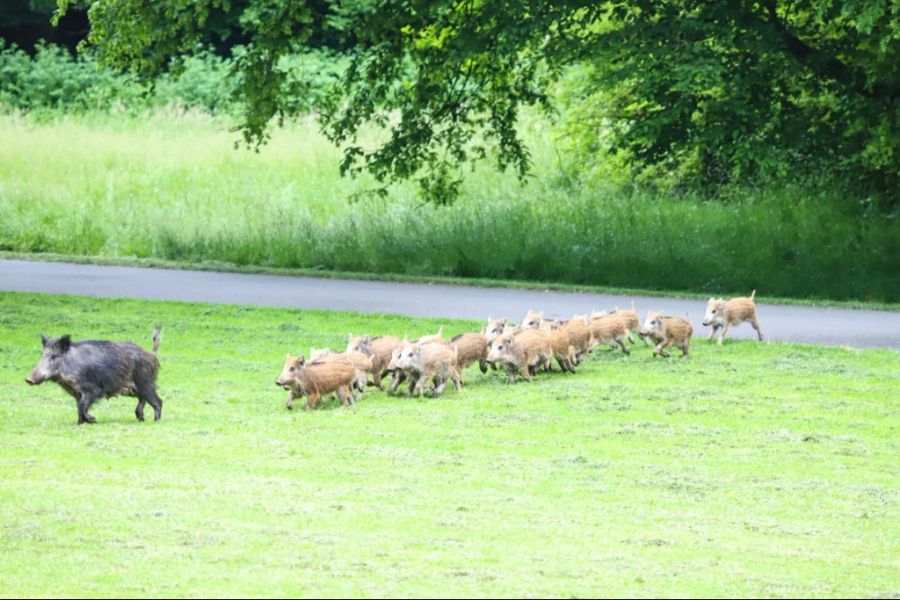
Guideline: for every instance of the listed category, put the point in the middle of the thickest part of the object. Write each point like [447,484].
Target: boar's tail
[157,336]
[753,295]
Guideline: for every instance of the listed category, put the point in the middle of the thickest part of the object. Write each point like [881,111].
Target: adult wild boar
[94,369]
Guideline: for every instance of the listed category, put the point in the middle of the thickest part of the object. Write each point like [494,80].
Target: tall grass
[170,184]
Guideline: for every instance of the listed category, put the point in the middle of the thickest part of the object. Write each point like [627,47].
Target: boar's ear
[64,343]
[43,340]
[300,360]
[349,337]
[365,339]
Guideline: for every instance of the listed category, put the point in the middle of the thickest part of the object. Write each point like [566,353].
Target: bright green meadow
[754,469]
[169,184]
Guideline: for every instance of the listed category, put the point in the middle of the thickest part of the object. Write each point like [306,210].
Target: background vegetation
[634,477]
[170,185]
[94,163]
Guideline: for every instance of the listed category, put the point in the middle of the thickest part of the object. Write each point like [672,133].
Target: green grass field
[751,469]
[170,185]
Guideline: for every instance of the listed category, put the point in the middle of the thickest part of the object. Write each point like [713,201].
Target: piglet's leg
[724,331]
[755,325]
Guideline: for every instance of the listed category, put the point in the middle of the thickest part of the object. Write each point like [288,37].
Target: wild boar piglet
[378,349]
[430,362]
[722,314]
[668,331]
[316,379]
[522,353]
[362,364]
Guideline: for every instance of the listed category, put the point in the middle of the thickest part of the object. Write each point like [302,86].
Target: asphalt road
[833,326]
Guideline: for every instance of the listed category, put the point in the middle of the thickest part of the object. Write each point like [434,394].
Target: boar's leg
[84,405]
[146,392]
[376,379]
[457,380]
[623,346]
[685,348]
[482,364]
[139,409]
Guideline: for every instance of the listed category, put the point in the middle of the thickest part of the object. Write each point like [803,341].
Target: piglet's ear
[64,343]
[43,340]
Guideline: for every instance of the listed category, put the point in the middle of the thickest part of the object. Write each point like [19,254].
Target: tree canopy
[715,91]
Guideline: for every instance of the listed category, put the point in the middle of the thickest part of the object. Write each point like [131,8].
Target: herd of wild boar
[91,370]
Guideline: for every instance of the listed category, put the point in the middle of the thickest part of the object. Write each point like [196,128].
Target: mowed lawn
[750,469]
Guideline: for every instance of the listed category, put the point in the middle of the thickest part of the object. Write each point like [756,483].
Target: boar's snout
[34,378]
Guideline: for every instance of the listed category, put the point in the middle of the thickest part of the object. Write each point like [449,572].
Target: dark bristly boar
[316,379]
[378,349]
[429,362]
[723,314]
[470,347]
[522,352]
[94,369]
[668,331]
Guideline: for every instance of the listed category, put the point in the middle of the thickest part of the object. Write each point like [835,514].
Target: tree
[719,90]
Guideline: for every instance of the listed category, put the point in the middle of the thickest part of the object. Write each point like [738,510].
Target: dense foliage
[52,78]
[704,92]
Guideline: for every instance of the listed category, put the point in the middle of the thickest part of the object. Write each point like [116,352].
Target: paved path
[859,328]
